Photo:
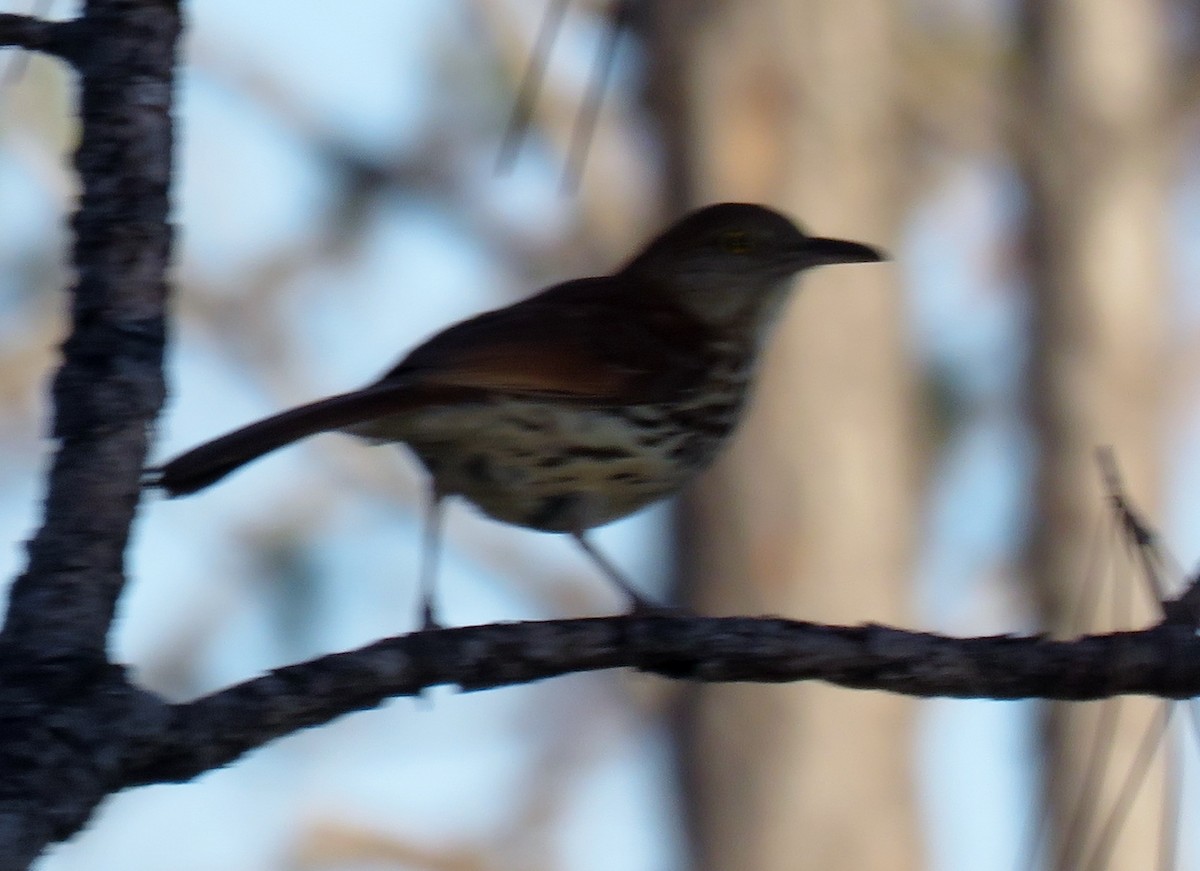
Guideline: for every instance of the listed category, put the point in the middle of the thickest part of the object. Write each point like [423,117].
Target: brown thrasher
[580,404]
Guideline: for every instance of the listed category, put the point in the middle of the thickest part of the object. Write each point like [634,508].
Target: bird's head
[731,260]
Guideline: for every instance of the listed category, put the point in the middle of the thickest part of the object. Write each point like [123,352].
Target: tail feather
[212,461]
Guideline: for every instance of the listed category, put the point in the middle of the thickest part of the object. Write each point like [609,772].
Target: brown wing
[595,340]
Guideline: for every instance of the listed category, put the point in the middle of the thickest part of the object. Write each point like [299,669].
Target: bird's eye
[736,242]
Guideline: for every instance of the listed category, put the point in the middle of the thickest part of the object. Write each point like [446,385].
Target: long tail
[212,461]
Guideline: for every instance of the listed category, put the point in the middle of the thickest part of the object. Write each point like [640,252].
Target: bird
[577,405]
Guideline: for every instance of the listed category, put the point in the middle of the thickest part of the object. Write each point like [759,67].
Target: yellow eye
[736,242]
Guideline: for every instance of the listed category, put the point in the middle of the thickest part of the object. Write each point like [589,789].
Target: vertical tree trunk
[1094,155]
[811,514]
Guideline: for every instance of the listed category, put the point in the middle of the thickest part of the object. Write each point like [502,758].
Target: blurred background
[920,450]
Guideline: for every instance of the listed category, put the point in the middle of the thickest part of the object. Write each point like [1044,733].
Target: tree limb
[66,713]
[110,386]
[37,34]
[217,729]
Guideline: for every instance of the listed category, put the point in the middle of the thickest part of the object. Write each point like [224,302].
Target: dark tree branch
[66,714]
[35,34]
[109,387]
[217,729]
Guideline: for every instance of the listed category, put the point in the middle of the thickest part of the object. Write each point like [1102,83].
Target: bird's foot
[428,621]
[642,606]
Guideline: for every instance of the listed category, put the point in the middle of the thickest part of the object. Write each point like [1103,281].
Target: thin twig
[521,119]
[593,98]
[1136,775]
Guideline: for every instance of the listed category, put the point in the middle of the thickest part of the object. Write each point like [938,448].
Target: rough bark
[63,707]
[1094,151]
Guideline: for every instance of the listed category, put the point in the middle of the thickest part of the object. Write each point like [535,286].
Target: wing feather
[596,340]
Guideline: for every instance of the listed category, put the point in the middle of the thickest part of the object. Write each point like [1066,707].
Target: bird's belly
[554,467]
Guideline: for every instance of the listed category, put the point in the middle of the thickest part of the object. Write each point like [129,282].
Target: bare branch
[110,385]
[1184,609]
[36,34]
[593,98]
[217,729]
[521,119]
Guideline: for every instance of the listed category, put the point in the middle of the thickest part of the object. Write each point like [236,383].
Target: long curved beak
[818,251]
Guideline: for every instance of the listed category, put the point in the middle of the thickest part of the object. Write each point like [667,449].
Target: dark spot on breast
[629,477]
[645,415]
[655,438]
[552,461]
[696,450]
[552,512]
[703,421]
[478,468]
[524,423]
[599,454]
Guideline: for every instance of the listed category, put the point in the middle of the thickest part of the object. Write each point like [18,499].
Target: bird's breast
[560,467]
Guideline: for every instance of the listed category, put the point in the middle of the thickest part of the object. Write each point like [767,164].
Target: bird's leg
[637,601]
[431,546]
